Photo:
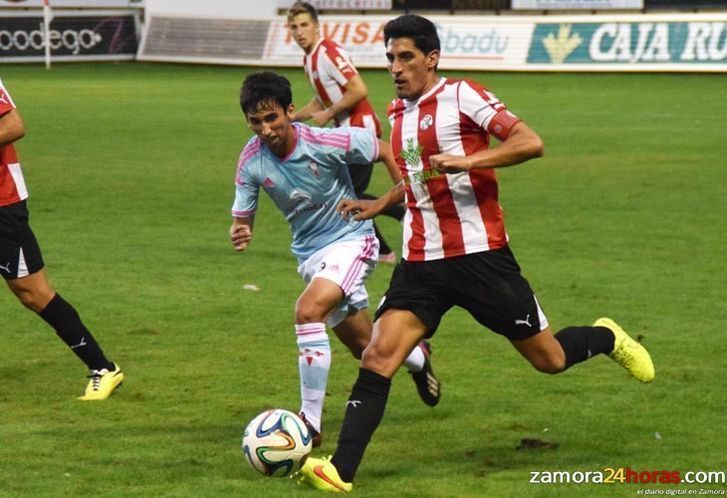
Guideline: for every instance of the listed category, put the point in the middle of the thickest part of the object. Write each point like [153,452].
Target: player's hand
[240,236]
[358,209]
[447,163]
[321,117]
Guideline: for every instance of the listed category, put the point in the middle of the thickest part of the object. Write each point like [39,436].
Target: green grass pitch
[130,168]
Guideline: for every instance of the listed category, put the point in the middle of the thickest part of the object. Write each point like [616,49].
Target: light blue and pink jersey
[308,184]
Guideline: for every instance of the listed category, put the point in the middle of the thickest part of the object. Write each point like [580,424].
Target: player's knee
[34,301]
[376,358]
[308,314]
[550,364]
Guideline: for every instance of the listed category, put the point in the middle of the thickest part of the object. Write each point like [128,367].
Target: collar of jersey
[437,86]
[296,127]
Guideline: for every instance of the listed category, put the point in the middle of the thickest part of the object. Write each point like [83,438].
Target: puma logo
[353,402]
[524,322]
[82,343]
[6,268]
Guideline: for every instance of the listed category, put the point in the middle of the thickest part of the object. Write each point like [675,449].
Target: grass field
[130,169]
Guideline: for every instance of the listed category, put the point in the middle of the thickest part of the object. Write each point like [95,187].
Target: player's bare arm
[355,92]
[362,209]
[241,233]
[520,145]
[386,156]
[305,112]
[11,127]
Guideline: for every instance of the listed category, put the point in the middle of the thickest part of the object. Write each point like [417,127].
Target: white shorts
[346,264]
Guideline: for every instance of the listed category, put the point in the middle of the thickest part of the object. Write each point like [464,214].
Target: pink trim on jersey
[242,214]
[296,133]
[340,140]
[354,271]
[249,151]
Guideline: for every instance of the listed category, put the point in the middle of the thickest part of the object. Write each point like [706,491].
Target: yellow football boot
[628,353]
[102,383]
[319,473]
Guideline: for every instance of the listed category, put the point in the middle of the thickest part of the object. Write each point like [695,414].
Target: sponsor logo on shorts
[524,322]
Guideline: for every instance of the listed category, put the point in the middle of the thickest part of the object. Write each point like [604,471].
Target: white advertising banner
[466,42]
[607,42]
[343,4]
[74,4]
[576,4]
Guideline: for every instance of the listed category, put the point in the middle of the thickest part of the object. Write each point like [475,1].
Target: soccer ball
[276,443]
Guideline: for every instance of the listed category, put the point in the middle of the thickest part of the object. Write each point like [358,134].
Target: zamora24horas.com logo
[627,475]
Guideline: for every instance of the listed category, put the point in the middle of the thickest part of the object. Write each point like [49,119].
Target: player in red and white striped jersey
[455,246]
[21,262]
[340,95]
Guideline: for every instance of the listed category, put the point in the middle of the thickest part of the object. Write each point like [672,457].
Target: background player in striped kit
[21,263]
[303,170]
[456,249]
[341,96]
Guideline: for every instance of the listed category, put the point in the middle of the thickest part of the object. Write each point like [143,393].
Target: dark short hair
[419,29]
[265,89]
[302,8]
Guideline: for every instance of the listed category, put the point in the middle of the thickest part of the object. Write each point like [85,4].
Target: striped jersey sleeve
[247,187]
[485,109]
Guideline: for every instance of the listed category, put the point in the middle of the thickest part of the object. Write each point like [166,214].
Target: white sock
[314,362]
[415,361]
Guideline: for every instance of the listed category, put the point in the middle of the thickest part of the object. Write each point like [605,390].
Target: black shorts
[19,251]
[487,284]
[360,177]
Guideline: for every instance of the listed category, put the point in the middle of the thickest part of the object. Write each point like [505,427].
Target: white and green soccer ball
[276,443]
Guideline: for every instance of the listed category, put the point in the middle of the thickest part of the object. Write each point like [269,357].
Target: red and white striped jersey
[12,183]
[329,68]
[449,215]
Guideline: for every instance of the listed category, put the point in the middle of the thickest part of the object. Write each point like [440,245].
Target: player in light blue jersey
[304,171]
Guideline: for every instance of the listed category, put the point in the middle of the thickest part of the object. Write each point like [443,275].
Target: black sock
[581,343]
[364,411]
[68,325]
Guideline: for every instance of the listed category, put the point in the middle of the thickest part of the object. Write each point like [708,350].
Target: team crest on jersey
[314,169]
[411,154]
[426,122]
